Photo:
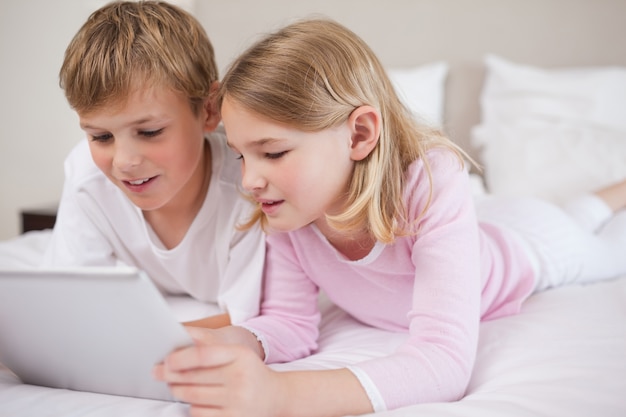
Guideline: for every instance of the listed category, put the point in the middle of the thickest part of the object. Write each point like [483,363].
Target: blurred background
[38,128]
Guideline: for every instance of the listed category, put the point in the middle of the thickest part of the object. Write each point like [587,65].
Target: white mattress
[564,355]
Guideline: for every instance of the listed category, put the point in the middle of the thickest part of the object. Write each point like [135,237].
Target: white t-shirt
[215,263]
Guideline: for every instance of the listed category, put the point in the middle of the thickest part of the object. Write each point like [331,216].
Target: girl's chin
[279,229]
[276,226]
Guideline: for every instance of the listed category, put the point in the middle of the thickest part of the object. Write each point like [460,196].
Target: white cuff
[378,403]
[261,339]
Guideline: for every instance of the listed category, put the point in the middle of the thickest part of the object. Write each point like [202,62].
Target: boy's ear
[210,107]
[364,123]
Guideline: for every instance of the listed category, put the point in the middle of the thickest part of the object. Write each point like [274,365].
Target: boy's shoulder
[79,166]
[225,161]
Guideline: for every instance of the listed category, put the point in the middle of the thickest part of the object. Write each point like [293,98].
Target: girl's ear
[212,114]
[364,123]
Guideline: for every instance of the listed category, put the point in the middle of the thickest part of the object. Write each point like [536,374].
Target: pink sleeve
[436,361]
[289,316]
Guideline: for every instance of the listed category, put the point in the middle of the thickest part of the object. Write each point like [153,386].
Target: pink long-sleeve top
[436,285]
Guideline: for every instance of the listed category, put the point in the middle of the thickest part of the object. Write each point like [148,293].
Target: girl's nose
[251,179]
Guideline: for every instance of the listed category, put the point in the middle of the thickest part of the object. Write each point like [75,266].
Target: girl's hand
[222,380]
[223,374]
[229,335]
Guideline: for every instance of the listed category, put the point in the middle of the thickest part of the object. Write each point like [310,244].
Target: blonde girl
[363,202]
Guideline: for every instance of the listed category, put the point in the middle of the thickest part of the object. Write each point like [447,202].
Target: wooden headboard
[405,33]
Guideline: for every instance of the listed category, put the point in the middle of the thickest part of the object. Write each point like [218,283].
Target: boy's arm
[211,322]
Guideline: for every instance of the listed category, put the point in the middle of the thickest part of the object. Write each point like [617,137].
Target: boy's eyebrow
[86,126]
[134,122]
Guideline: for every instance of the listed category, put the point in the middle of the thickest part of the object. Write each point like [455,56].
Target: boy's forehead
[137,93]
[147,88]
[136,107]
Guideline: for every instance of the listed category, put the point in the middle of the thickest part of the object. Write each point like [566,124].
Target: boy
[160,190]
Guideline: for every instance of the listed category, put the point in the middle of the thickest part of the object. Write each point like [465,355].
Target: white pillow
[592,96]
[422,90]
[551,162]
[551,133]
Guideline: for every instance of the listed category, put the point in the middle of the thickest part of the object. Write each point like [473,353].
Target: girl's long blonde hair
[311,75]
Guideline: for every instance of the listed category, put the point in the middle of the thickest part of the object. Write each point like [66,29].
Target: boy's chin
[144,205]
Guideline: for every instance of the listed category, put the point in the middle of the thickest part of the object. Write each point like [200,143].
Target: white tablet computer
[87,329]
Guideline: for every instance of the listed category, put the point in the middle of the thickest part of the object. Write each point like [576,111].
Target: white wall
[36,124]
[37,127]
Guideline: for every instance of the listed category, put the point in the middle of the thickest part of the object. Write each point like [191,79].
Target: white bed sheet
[564,355]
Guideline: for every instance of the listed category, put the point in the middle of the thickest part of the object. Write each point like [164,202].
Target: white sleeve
[76,240]
[240,289]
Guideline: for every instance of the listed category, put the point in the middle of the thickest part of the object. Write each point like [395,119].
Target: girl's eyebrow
[259,143]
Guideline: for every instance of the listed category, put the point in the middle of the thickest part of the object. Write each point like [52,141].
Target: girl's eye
[276,155]
[151,133]
[101,138]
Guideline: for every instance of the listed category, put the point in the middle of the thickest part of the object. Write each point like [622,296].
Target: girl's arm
[231,379]
[433,365]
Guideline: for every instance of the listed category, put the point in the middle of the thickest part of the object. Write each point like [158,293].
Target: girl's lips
[270,206]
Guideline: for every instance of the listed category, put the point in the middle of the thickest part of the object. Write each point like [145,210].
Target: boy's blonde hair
[311,75]
[129,45]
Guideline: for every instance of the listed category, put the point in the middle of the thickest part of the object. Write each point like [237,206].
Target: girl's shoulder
[440,179]
[439,161]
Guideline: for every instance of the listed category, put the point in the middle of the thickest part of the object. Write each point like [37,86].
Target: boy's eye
[101,138]
[150,133]
[275,155]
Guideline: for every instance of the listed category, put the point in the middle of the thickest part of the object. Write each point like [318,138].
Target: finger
[201,356]
[203,411]
[200,376]
[200,335]
[211,396]
[158,372]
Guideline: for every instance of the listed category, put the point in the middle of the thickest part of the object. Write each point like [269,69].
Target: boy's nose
[126,156]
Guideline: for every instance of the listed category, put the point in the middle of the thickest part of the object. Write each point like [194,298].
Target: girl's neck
[352,245]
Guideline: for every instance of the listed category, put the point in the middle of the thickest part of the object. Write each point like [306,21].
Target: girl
[362,202]
[154,185]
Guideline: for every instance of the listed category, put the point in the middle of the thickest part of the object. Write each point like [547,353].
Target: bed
[547,129]
[564,355]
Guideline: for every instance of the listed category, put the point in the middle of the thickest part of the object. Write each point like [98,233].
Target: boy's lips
[138,184]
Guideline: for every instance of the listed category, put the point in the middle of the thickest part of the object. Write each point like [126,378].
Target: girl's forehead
[233,111]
